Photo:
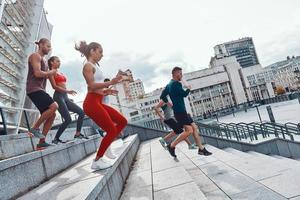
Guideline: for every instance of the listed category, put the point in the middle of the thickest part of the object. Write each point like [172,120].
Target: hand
[162,119]
[71,92]
[188,87]
[116,80]
[109,91]
[52,72]
[170,104]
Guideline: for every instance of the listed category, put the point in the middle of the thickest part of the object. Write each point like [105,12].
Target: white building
[136,89]
[22,23]
[286,73]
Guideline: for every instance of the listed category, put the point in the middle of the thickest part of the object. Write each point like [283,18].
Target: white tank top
[98,75]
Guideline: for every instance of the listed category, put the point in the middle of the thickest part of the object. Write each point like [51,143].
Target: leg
[76,109]
[115,122]
[107,118]
[48,124]
[187,131]
[197,136]
[64,112]
[45,115]
[169,136]
[187,141]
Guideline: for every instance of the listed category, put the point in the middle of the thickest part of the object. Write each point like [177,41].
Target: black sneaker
[56,141]
[81,136]
[41,146]
[204,152]
[171,150]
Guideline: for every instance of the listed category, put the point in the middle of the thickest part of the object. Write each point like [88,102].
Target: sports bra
[60,78]
[98,75]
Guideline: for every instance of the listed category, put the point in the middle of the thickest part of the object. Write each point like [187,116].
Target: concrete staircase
[227,174]
[62,166]
[14,145]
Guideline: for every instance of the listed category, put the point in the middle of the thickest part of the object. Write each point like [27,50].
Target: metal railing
[16,126]
[242,132]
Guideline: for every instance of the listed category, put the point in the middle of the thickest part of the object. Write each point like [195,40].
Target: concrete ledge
[276,146]
[14,145]
[22,173]
[80,182]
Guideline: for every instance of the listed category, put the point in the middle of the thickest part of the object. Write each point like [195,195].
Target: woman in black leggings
[58,83]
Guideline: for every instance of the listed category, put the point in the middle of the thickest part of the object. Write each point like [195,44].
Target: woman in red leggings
[106,117]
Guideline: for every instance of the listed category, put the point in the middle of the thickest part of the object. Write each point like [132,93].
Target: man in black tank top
[36,90]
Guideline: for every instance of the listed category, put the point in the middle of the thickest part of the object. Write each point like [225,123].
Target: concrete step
[287,160]
[156,175]
[24,172]
[80,182]
[14,145]
[234,175]
[254,157]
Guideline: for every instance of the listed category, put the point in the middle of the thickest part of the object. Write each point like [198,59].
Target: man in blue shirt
[177,94]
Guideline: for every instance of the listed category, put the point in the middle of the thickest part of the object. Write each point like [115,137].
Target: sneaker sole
[40,148]
[97,169]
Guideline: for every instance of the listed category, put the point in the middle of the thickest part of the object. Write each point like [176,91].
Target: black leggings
[66,105]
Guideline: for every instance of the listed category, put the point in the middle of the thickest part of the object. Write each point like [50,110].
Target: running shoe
[163,142]
[193,146]
[171,150]
[101,163]
[80,136]
[56,141]
[110,154]
[41,146]
[204,152]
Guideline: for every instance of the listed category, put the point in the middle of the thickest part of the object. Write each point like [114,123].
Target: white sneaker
[100,164]
[110,154]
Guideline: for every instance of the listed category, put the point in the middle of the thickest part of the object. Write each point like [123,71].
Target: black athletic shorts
[41,100]
[183,119]
[174,125]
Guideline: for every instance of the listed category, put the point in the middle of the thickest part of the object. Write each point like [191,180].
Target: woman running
[65,105]
[106,117]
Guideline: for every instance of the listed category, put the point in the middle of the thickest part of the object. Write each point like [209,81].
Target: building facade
[243,49]
[22,23]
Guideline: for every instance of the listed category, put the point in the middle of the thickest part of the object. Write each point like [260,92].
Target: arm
[156,108]
[164,95]
[179,90]
[88,73]
[35,60]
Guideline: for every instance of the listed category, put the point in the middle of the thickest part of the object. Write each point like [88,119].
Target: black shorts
[183,119]
[174,125]
[41,100]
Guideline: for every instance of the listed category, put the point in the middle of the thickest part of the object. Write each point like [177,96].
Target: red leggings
[110,120]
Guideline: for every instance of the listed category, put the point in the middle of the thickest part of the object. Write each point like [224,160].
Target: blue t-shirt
[177,93]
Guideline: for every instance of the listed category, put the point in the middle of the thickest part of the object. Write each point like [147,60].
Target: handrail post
[3,121]
[26,119]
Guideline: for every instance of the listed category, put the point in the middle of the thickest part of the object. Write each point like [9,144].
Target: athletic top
[175,91]
[98,75]
[60,78]
[34,83]
[168,113]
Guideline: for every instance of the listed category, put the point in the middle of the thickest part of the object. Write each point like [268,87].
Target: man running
[36,91]
[168,119]
[177,94]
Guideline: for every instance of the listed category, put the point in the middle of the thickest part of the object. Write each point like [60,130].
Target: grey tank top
[35,84]
[168,112]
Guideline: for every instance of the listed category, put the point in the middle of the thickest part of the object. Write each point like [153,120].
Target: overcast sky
[151,37]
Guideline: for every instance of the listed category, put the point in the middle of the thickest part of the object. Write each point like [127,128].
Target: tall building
[243,49]
[22,23]
[137,89]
